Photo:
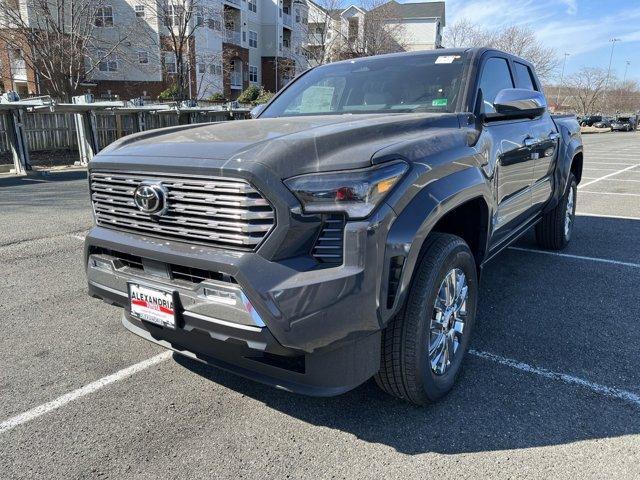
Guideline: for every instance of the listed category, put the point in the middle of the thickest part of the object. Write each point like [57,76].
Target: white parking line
[38,411]
[563,377]
[599,215]
[582,185]
[577,257]
[613,179]
[611,163]
[611,193]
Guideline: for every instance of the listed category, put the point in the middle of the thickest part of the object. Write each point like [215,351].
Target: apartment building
[230,45]
[335,34]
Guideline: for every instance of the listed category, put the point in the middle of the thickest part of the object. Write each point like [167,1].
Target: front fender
[414,223]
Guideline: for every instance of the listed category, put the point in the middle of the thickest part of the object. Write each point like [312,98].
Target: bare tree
[181,20]
[376,29]
[518,40]
[323,32]
[59,41]
[623,96]
[382,32]
[587,89]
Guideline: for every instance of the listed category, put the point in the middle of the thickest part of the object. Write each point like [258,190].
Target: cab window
[524,78]
[496,76]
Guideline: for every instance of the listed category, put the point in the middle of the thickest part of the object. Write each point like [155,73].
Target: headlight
[355,192]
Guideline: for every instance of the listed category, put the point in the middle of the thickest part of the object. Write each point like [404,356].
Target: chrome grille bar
[215,211]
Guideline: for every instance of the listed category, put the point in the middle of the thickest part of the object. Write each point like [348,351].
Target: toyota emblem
[151,198]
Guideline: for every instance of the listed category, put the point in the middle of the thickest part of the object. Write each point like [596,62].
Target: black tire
[550,231]
[405,366]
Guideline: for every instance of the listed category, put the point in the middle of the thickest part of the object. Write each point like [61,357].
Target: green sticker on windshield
[439,102]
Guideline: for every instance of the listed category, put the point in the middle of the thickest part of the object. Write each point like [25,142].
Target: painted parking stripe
[582,185]
[608,215]
[611,193]
[577,257]
[92,387]
[613,179]
[611,392]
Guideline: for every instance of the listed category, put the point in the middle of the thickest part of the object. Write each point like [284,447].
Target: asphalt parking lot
[550,389]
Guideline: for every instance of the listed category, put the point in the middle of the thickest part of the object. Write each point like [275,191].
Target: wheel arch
[443,206]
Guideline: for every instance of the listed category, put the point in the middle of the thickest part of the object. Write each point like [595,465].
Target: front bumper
[313,331]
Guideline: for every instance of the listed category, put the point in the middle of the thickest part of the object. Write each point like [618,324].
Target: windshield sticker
[447,58]
[316,99]
[439,102]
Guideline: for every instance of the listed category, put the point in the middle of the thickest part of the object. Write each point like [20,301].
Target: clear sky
[582,28]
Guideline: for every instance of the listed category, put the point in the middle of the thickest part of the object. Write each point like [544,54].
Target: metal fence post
[14,119]
[86,130]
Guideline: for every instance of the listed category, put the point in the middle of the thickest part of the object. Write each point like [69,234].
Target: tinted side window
[495,77]
[524,77]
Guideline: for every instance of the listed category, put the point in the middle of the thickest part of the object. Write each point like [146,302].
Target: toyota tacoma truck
[341,234]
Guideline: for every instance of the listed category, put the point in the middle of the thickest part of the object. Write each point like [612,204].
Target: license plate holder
[153,305]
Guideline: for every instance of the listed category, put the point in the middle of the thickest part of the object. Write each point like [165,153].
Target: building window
[297,10]
[244,36]
[253,6]
[170,62]
[253,39]
[253,74]
[139,11]
[214,24]
[173,15]
[353,28]
[202,68]
[199,11]
[108,64]
[143,57]
[103,17]
[215,69]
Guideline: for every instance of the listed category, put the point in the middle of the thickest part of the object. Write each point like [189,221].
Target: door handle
[554,136]
[530,142]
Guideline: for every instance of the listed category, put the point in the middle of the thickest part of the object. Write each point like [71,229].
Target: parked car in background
[624,124]
[341,234]
[604,123]
[589,120]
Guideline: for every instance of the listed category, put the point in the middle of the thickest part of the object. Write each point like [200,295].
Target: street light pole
[625,72]
[564,62]
[606,85]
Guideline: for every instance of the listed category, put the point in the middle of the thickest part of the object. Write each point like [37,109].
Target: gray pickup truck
[340,235]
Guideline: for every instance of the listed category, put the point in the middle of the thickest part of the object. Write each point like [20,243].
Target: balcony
[235,3]
[315,39]
[236,80]
[287,21]
[19,70]
[233,36]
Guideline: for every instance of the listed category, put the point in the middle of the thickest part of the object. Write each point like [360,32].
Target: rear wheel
[556,227]
[424,346]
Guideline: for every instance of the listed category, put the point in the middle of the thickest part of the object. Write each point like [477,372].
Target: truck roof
[472,52]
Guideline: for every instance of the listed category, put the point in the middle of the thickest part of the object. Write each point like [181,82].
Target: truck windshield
[429,83]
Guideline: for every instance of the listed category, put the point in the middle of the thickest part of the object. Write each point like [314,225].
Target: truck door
[505,143]
[544,142]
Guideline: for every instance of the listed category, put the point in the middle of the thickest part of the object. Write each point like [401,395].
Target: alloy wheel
[447,321]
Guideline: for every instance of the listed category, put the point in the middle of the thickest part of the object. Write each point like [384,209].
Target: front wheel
[556,227]
[424,346]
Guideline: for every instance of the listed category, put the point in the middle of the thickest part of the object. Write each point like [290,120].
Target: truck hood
[288,146]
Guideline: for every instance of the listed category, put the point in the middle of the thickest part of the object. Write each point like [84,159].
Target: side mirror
[257,110]
[519,102]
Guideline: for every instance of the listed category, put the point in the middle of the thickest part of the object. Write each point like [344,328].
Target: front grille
[178,272]
[217,211]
